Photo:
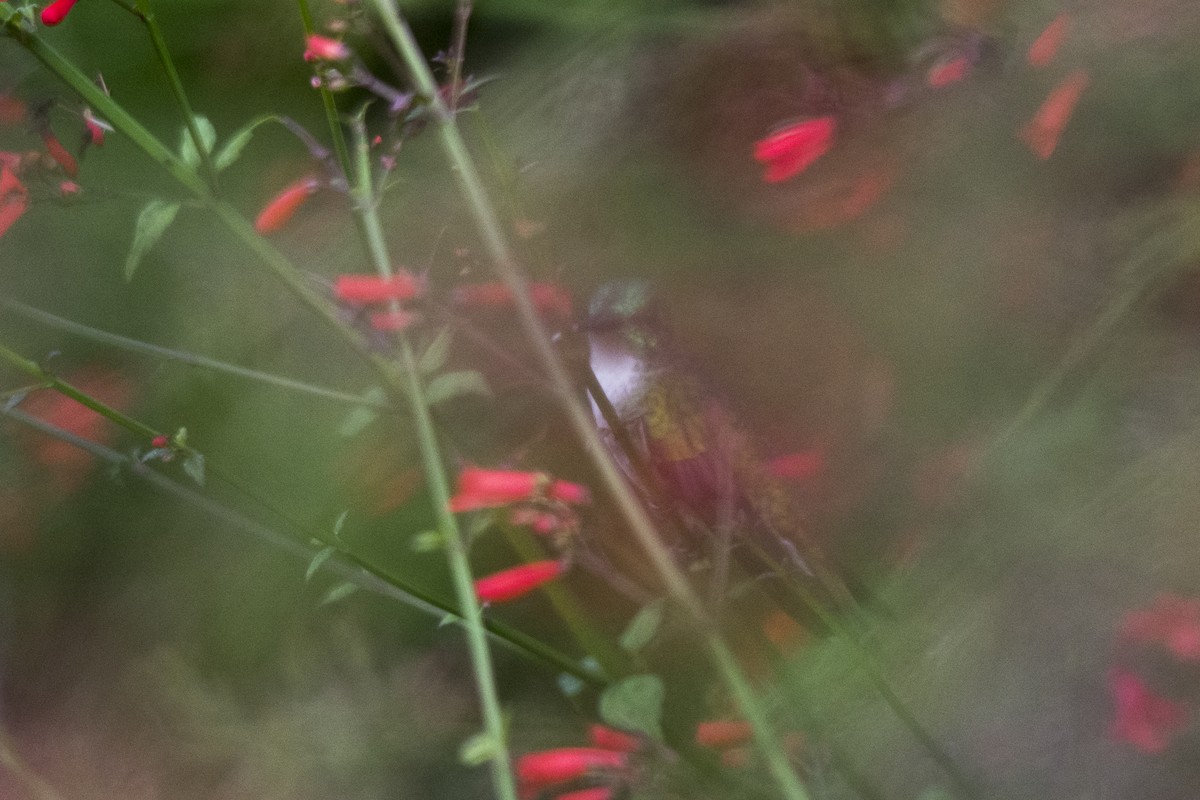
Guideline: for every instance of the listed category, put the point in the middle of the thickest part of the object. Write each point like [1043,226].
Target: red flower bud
[1045,46]
[325,49]
[789,151]
[549,767]
[60,154]
[723,733]
[160,442]
[1042,132]
[948,71]
[613,739]
[512,583]
[57,11]
[365,289]
[283,206]
[14,198]
[570,493]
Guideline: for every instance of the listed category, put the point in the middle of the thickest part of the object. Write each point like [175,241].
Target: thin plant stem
[177,90]
[578,416]
[190,359]
[341,564]
[366,206]
[327,100]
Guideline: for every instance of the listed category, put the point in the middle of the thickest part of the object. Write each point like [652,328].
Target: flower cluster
[1169,627]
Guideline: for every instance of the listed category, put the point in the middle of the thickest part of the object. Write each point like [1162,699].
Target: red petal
[283,206]
[1042,132]
[61,155]
[14,199]
[375,289]
[549,767]
[945,73]
[613,739]
[1046,45]
[57,11]
[488,488]
[791,150]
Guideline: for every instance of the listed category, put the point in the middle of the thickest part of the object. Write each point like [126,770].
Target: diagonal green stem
[366,207]
[578,416]
[177,90]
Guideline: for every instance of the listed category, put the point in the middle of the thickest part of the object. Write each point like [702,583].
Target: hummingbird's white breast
[623,374]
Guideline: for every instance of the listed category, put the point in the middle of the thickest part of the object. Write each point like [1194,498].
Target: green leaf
[153,220]
[360,417]
[643,626]
[435,355]
[193,465]
[320,558]
[187,146]
[234,145]
[452,384]
[479,749]
[340,523]
[338,592]
[634,704]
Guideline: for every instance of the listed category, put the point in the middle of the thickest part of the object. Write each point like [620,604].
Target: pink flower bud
[510,584]
[322,48]
[160,442]
[789,151]
[57,11]
[570,493]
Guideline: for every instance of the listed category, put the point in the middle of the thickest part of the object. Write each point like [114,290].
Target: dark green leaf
[634,704]
[153,220]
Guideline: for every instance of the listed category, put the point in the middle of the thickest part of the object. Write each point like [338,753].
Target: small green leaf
[452,384]
[180,437]
[338,592]
[643,626]
[435,355]
[193,465]
[152,222]
[428,541]
[479,749]
[187,146]
[320,558]
[360,417]
[340,523]
[634,704]
[234,145]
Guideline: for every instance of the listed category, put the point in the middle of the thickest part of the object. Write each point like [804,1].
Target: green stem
[327,100]
[177,90]
[578,416]
[366,206]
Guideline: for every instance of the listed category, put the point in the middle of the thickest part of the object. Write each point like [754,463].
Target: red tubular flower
[948,71]
[594,793]
[613,739]
[490,488]
[283,206]
[570,493]
[510,584]
[366,289]
[323,48]
[799,466]
[548,298]
[1144,719]
[1042,132]
[14,197]
[550,767]
[60,154]
[789,151]
[723,733]
[1172,622]
[57,11]
[1045,46]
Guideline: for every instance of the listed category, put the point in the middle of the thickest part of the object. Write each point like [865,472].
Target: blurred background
[996,354]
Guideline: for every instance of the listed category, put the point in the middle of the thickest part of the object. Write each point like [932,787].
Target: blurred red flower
[325,49]
[1173,622]
[280,209]
[550,767]
[57,11]
[613,739]
[509,584]
[366,289]
[1041,133]
[1143,718]
[723,733]
[548,298]
[790,150]
[948,71]
[14,197]
[1045,46]
[491,488]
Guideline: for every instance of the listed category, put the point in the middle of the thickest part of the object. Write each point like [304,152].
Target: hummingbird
[691,460]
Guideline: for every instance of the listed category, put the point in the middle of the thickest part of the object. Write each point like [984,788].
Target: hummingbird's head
[625,310]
